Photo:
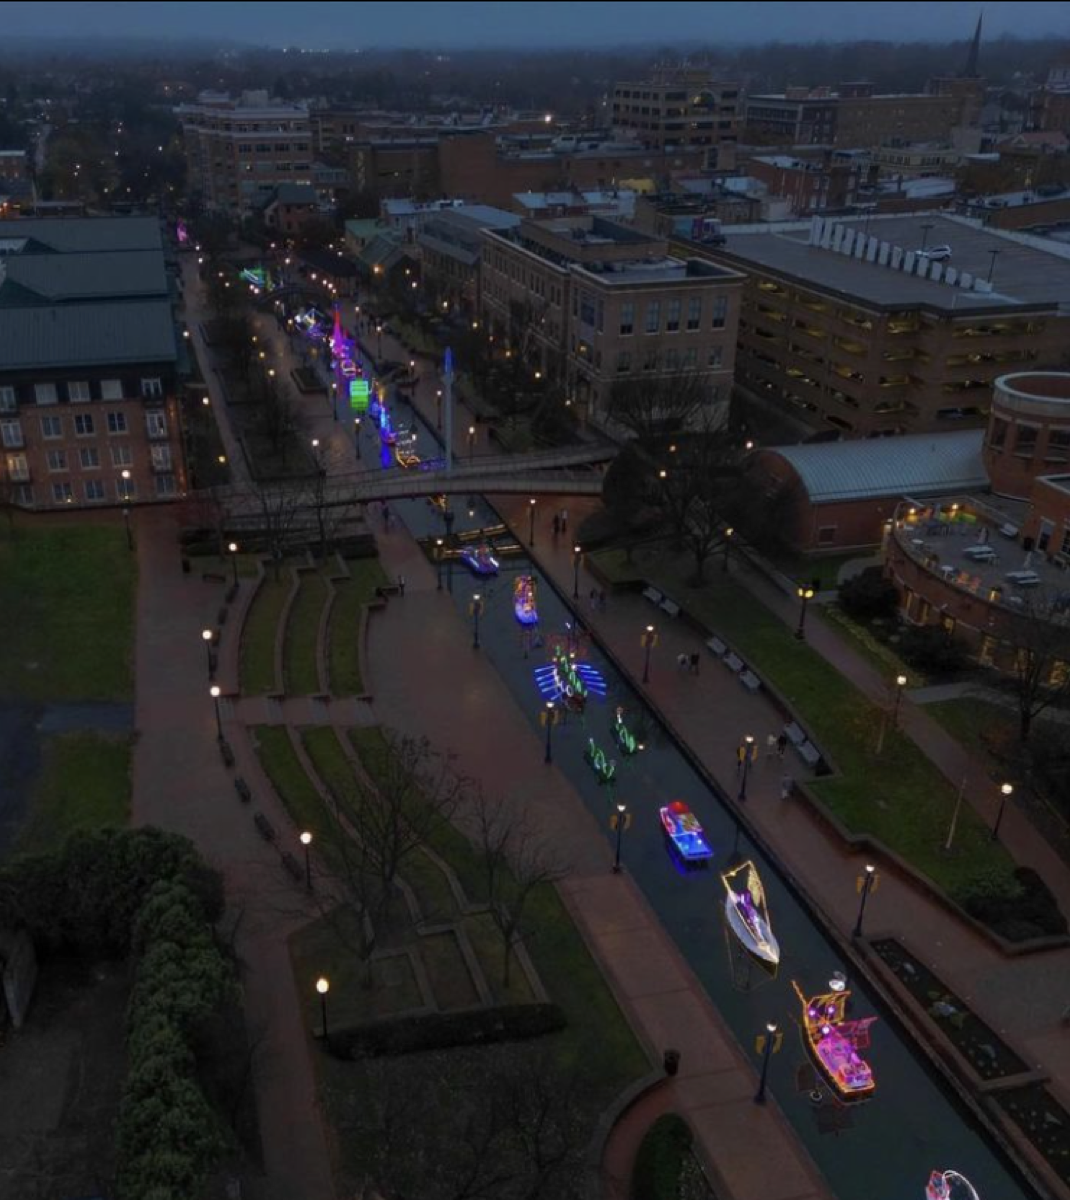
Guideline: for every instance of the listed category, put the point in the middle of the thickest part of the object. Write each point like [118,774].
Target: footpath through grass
[67,599]
[84,783]
[351,595]
[899,797]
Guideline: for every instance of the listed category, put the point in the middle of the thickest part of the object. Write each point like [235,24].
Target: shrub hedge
[441,1031]
[660,1161]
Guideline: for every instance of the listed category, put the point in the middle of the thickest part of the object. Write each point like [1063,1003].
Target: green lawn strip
[299,670]
[880,656]
[366,574]
[451,981]
[974,722]
[899,797]
[84,783]
[296,791]
[68,591]
[617,567]
[257,667]
[825,570]
[487,943]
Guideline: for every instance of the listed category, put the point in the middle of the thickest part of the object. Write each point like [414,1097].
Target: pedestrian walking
[787,786]
[781,743]
[693,662]
[682,662]
[593,599]
[401,585]
[770,747]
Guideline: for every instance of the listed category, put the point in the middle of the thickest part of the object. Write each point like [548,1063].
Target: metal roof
[61,278]
[87,235]
[917,464]
[86,335]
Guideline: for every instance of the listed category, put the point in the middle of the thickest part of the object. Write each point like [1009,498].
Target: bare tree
[278,508]
[1041,647]
[279,418]
[515,864]
[663,403]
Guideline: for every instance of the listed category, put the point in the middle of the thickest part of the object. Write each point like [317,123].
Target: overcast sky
[526,24]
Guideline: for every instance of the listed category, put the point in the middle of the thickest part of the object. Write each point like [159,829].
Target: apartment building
[594,303]
[89,361]
[809,185]
[680,107]
[848,329]
[797,117]
[239,150]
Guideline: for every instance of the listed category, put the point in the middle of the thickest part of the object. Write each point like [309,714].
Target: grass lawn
[257,666]
[976,723]
[798,566]
[880,656]
[84,783]
[69,591]
[283,767]
[343,651]
[900,797]
[299,670]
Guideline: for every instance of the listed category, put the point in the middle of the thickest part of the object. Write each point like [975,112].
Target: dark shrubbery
[868,595]
[1015,910]
[146,893]
[659,1163]
[441,1031]
[930,649]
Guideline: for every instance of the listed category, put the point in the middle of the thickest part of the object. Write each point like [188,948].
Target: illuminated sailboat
[834,1043]
[950,1185]
[524,605]
[748,917]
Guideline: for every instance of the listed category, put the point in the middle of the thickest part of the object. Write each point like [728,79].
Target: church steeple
[971,70]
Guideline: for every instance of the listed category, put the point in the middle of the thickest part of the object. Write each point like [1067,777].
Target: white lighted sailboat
[748,917]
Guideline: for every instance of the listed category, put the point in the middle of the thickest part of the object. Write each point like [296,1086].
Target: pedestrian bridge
[572,471]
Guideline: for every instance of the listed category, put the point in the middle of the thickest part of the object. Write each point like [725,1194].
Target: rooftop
[85,335]
[916,464]
[34,279]
[1026,272]
[89,235]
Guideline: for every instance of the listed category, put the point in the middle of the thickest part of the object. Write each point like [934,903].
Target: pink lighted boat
[834,1043]
[950,1185]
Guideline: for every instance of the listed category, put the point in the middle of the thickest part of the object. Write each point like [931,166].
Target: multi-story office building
[240,150]
[797,117]
[599,303]
[847,328]
[683,107]
[88,364]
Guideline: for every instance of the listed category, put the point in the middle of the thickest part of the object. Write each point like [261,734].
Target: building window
[117,422]
[161,458]
[11,434]
[720,312]
[18,469]
[45,393]
[826,535]
[650,360]
[151,387]
[165,485]
[627,319]
[624,362]
[1058,445]
[714,359]
[690,358]
[1025,440]
[653,316]
[94,489]
[83,425]
[57,460]
[672,320]
[121,456]
[51,427]
[89,457]
[7,399]
[111,389]
[24,495]
[62,493]
[78,392]
[156,424]
[998,436]
[672,359]
[694,312]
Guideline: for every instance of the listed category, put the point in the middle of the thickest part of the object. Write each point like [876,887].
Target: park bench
[795,734]
[734,663]
[809,753]
[242,788]
[292,865]
[716,647]
[653,595]
[670,607]
[264,827]
[750,681]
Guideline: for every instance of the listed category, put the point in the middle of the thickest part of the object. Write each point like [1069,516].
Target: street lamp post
[323,986]
[438,408]
[577,551]
[206,635]
[1005,792]
[379,342]
[805,594]
[649,641]
[233,548]
[531,522]
[621,821]
[126,509]
[439,543]
[306,841]
[768,1050]
[215,692]
[925,227]
[866,883]
[447,516]
[356,435]
[748,752]
[900,683]
[476,609]
[549,717]
[727,546]
[471,441]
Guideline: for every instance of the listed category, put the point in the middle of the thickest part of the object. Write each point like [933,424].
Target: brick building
[848,330]
[680,107]
[809,184]
[796,117]
[598,303]
[450,246]
[89,362]
[239,151]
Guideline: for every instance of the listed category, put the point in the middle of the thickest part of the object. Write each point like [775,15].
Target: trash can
[671,1061]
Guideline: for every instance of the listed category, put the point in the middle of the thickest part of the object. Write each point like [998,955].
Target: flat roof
[1023,273]
[915,464]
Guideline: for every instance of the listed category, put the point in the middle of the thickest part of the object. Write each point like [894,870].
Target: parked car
[935,253]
